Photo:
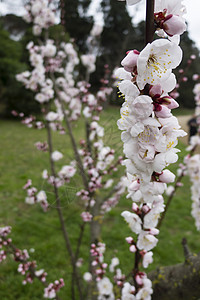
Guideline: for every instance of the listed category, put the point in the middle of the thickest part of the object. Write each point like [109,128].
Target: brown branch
[61,218]
[186,250]
[77,156]
[169,200]
[150,27]
[87,128]
[73,142]
[178,180]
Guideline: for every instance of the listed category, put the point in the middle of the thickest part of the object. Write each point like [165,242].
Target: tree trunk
[96,222]
[178,282]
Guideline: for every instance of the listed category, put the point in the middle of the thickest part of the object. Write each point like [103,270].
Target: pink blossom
[195,77]
[130,61]
[133,248]
[173,104]
[156,61]
[133,221]
[163,112]
[146,241]
[56,155]
[147,259]
[173,25]
[87,276]
[167,176]
[129,240]
[28,184]
[86,216]
[128,292]
[114,263]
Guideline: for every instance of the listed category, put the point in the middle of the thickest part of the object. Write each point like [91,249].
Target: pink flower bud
[119,283]
[134,186]
[132,248]
[154,231]
[138,279]
[145,209]
[165,112]
[130,61]
[179,184]
[193,56]
[174,94]
[185,79]
[135,207]
[173,104]
[174,25]
[155,91]
[98,271]
[104,265]
[195,77]
[129,240]
[167,176]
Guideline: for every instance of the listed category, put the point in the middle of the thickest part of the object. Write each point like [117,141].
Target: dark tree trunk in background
[76,21]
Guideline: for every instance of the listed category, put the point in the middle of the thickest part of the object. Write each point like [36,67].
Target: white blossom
[56,155]
[156,61]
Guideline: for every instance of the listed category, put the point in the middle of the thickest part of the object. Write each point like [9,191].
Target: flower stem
[150,28]
[60,214]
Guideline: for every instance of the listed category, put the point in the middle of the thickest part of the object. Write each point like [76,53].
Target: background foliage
[119,35]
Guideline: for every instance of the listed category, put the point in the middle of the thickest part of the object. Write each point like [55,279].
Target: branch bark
[150,27]
[177,282]
[61,218]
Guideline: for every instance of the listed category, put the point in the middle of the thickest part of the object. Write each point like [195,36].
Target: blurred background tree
[12,95]
[119,35]
[188,46]
[77,22]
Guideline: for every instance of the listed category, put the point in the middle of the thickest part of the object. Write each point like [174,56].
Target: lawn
[34,229]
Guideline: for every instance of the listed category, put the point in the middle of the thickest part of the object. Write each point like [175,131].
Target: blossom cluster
[55,82]
[4,242]
[53,288]
[193,170]
[192,162]
[64,98]
[150,135]
[195,139]
[26,267]
[33,196]
[104,285]
[40,14]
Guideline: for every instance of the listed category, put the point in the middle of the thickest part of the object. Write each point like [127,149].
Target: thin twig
[169,200]
[73,142]
[178,180]
[186,250]
[61,218]
[31,268]
[87,128]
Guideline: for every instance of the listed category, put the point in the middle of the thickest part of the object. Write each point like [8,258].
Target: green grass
[183,112]
[32,228]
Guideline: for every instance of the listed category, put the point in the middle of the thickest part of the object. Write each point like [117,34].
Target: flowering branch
[58,207]
[149,137]
[26,267]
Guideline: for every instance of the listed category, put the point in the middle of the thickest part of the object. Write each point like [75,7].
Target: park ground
[34,229]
